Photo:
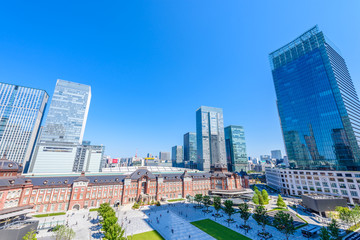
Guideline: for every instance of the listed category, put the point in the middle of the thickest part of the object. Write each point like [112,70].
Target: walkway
[173,227]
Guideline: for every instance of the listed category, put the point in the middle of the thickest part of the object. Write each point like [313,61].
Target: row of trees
[261,198]
[111,227]
[282,221]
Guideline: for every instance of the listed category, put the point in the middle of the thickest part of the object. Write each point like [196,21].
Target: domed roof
[6,164]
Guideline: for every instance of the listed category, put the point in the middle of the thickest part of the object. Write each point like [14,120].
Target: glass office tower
[236,148]
[210,137]
[21,112]
[190,147]
[68,113]
[318,106]
[177,156]
[57,147]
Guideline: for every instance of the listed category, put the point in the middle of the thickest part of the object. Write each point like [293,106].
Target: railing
[22,222]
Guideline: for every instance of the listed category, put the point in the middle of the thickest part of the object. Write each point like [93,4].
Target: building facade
[210,137]
[190,147]
[236,149]
[21,112]
[297,182]
[177,156]
[62,135]
[164,156]
[88,158]
[318,106]
[276,154]
[58,193]
[68,113]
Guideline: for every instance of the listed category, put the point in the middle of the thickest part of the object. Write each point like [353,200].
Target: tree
[355,214]
[265,196]
[334,229]
[104,208]
[30,235]
[256,188]
[206,201]
[64,233]
[324,234]
[244,212]
[115,232]
[261,216]
[198,198]
[284,223]
[255,199]
[229,210]
[257,192]
[344,214]
[261,200]
[280,202]
[109,222]
[217,204]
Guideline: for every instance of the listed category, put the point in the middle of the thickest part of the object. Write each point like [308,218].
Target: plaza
[171,220]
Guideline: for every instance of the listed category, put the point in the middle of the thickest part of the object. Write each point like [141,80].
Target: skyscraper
[64,129]
[236,149]
[276,154]
[177,156]
[21,112]
[190,147]
[68,113]
[210,137]
[164,156]
[318,106]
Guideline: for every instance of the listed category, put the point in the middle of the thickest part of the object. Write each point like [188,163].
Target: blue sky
[151,64]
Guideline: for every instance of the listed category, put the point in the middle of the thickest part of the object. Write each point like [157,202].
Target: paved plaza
[172,221]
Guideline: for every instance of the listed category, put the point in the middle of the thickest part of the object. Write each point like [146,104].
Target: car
[342,232]
[50,229]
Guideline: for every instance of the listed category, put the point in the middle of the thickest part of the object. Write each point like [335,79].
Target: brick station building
[58,193]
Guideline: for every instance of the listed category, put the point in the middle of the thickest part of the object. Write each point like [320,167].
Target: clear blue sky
[151,64]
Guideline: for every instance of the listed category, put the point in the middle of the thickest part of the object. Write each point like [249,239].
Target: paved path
[173,227]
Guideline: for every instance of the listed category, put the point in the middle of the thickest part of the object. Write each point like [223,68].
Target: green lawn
[175,200]
[218,231]
[151,235]
[49,214]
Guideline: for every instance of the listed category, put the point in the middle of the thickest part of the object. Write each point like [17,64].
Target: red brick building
[55,193]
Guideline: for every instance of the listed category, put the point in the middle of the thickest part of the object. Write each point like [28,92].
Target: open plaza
[175,221]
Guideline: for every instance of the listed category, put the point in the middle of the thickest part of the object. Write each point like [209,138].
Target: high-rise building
[63,132]
[190,147]
[318,106]
[164,156]
[276,154]
[210,137]
[88,158]
[236,149]
[21,112]
[177,156]
[68,113]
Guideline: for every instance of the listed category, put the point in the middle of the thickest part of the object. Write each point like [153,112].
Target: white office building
[297,182]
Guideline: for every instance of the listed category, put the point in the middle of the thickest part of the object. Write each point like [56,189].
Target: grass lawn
[49,214]
[175,200]
[218,231]
[151,235]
